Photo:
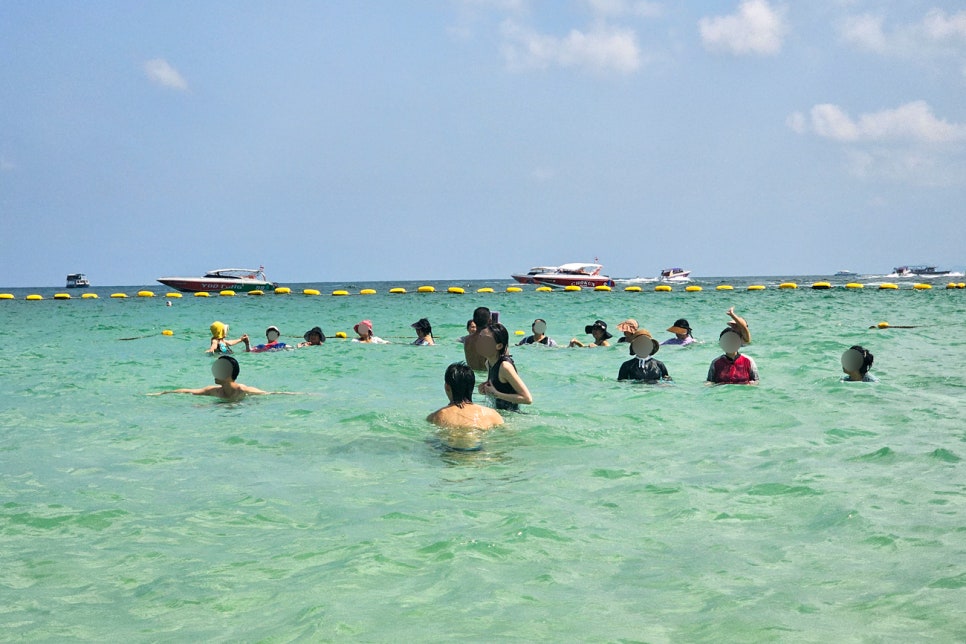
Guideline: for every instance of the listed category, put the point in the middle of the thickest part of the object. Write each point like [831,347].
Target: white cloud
[162,73]
[937,34]
[864,31]
[617,8]
[913,122]
[602,48]
[756,28]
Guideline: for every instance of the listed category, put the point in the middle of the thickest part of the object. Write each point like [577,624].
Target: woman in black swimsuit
[503,382]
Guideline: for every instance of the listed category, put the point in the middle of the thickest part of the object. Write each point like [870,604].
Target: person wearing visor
[733,367]
[539,328]
[272,335]
[599,330]
[856,362]
[220,344]
[225,370]
[643,366]
[682,333]
[314,337]
[628,327]
[424,333]
[364,331]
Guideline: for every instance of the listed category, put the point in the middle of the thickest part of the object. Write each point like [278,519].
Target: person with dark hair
[682,333]
[601,336]
[481,318]
[313,337]
[539,328]
[732,367]
[856,362]
[272,334]
[461,412]
[225,369]
[503,382]
[424,333]
[470,330]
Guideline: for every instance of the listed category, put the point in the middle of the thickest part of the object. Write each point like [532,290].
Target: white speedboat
[527,278]
[846,273]
[223,279]
[920,270]
[675,275]
[574,274]
[78,280]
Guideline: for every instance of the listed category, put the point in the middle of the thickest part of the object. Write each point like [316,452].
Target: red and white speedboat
[527,278]
[574,274]
[675,275]
[223,279]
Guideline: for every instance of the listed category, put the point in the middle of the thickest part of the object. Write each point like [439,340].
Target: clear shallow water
[801,510]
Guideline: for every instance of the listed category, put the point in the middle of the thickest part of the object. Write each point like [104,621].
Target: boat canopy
[238,273]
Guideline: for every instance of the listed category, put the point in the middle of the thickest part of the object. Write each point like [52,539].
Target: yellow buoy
[791,285]
[426,289]
[961,285]
[883,325]
[283,290]
[118,295]
[61,296]
[922,287]
[544,289]
[202,294]
[572,287]
[340,334]
[662,288]
[518,332]
[367,291]
[514,289]
[335,293]
[227,293]
[632,289]
[888,286]
[455,290]
[723,287]
[89,296]
[821,286]
[311,291]
[485,289]
[951,285]
[34,297]
[756,287]
[601,287]
[145,293]
[167,332]
[9,296]
[174,295]
[694,288]
[397,290]
[256,292]
[854,285]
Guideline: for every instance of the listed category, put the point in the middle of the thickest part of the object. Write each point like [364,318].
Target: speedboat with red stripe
[573,274]
[223,279]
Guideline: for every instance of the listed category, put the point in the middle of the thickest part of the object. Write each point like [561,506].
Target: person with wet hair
[461,412]
[424,333]
[503,382]
[856,362]
[225,370]
[481,319]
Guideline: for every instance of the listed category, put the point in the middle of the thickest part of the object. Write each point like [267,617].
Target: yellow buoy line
[458,290]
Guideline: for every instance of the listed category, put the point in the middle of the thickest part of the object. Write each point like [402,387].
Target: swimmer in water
[424,333]
[225,370]
[599,330]
[272,335]
[503,382]
[470,330]
[643,367]
[628,327]
[220,343]
[682,333]
[739,325]
[733,367]
[481,319]
[364,331]
[856,362]
[539,328]
[461,412]
[313,338]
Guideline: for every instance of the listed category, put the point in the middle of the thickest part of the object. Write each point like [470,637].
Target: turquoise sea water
[804,509]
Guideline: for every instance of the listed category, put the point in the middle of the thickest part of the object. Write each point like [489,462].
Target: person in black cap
[313,338]
[599,330]
[424,332]
[682,333]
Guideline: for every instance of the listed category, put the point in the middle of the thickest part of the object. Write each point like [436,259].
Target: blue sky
[356,141]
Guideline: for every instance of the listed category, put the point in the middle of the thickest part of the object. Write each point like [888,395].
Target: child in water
[856,362]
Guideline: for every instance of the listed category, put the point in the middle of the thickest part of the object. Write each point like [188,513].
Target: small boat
[223,279]
[78,280]
[920,270]
[527,278]
[675,275]
[846,273]
[574,274]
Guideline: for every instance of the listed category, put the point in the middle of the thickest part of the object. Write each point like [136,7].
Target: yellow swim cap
[219,330]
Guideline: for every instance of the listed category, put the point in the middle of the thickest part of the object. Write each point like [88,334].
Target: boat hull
[199,284]
[584,281]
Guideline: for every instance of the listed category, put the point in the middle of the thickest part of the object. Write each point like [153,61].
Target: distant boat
[223,279]
[920,270]
[675,275]
[78,280]
[527,278]
[846,273]
[573,274]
